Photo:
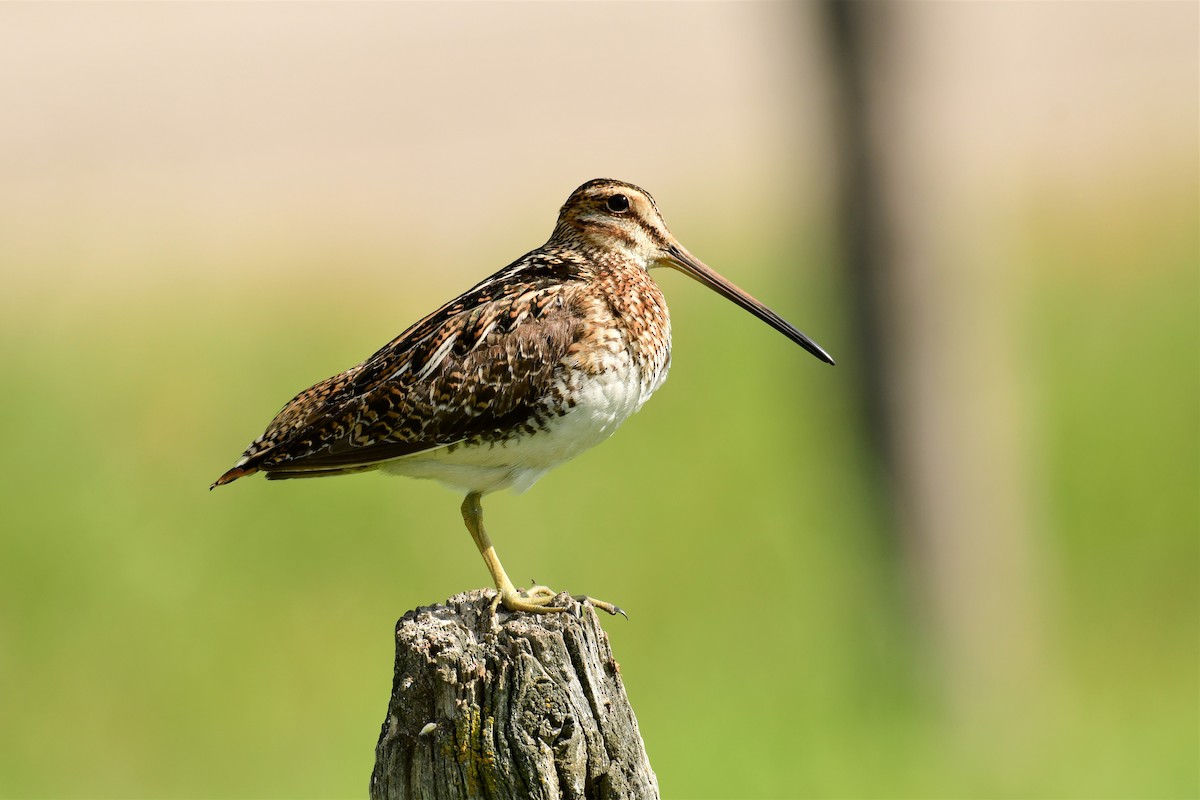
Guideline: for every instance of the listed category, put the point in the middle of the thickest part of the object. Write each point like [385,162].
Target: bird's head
[610,217]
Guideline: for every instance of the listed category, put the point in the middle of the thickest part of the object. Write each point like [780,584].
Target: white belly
[602,403]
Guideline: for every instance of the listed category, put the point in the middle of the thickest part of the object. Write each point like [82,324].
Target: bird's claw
[603,605]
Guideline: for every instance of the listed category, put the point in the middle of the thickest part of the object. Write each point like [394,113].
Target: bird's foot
[603,605]
[537,598]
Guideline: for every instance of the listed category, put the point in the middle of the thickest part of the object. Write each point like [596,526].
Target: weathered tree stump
[507,705]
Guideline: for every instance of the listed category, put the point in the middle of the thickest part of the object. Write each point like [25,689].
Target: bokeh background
[962,563]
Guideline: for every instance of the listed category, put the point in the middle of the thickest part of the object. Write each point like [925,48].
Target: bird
[519,374]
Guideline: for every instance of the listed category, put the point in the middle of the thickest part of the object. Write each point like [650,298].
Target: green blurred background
[206,208]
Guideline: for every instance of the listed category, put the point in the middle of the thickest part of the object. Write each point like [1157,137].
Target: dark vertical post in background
[926,246]
[862,235]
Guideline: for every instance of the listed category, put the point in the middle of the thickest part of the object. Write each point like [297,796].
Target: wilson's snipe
[522,372]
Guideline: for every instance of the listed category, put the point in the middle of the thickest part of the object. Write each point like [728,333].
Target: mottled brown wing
[483,393]
[475,368]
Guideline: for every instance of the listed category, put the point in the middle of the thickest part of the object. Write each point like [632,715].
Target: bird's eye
[618,204]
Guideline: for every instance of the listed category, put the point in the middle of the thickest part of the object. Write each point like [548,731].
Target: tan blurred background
[963,563]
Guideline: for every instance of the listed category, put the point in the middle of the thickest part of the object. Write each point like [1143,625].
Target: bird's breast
[626,328]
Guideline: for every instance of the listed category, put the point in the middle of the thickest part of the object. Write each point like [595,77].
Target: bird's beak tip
[675,255]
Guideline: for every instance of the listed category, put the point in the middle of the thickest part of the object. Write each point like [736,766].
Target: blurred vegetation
[159,640]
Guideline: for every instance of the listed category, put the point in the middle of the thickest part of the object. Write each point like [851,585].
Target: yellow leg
[514,599]
[535,599]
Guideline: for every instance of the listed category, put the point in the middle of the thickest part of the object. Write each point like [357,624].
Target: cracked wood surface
[507,705]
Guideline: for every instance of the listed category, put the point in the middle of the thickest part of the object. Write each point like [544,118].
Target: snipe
[520,373]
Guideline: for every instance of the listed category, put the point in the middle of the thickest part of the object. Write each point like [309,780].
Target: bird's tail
[232,475]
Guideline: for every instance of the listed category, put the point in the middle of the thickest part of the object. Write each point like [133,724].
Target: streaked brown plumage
[525,370]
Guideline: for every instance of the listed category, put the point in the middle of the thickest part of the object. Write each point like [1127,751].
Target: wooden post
[507,705]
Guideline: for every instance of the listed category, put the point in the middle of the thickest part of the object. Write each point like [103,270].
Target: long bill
[693,267]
